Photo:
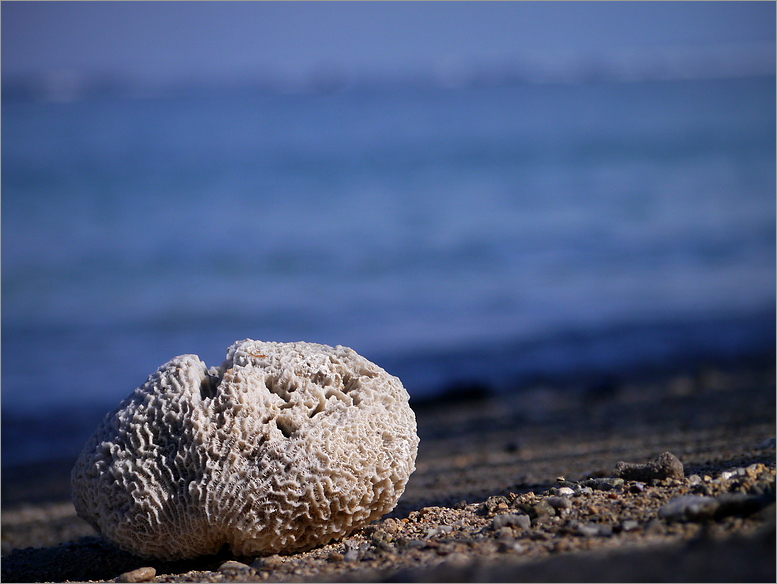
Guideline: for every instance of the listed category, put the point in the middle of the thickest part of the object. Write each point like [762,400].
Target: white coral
[285,447]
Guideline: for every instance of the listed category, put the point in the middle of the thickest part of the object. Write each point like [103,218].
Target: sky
[185,40]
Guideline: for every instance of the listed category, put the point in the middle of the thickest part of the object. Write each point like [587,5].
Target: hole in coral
[320,407]
[286,427]
[336,393]
[350,383]
[210,384]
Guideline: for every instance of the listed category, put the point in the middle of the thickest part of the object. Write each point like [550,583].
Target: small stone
[694,479]
[491,504]
[511,520]
[415,544]
[587,530]
[566,491]
[762,487]
[637,487]
[740,504]
[689,508]
[336,557]
[603,484]
[460,505]
[381,540]
[139,575]
[543,508]
[727,474]
[231,566]
[270,562]
[666,466]
[559,503]
[504,533]
[629,525]
[431,532]
[351,556]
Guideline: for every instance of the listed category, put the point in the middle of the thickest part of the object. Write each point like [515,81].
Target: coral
[284,447]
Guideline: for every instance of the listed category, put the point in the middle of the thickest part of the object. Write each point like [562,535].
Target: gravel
[478,510]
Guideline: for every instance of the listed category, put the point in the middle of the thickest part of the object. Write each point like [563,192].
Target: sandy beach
[525,487]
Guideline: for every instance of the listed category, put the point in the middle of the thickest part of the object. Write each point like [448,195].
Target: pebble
[587,530]
[543,508]
[140,575]
[666,466]
[689,508]
[740,504]
[351,556]
[493,503]
[629,525]
[604,484]
[511,520]
[728,474]
[270,562]
[504,533]
[233,565]
[566,491]
[559,502]
[754,470]
[381,540]
[233,568]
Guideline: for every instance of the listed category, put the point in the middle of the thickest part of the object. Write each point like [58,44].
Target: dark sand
[452,525]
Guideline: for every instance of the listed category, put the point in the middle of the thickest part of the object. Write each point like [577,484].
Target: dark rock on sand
[666,466]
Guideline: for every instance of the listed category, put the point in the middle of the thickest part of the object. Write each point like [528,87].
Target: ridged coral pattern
[284,447]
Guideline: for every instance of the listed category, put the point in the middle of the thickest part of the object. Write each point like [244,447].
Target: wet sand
[507,488]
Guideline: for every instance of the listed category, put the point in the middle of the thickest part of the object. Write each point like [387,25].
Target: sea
[484,235]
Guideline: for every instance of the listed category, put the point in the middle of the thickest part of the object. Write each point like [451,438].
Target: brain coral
[284,447]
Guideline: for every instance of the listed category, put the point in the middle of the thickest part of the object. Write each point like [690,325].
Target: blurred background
[471,195]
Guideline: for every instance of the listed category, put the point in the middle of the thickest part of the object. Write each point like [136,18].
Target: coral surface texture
[285,447]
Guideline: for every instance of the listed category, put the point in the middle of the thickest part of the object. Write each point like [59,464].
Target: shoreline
[509,450]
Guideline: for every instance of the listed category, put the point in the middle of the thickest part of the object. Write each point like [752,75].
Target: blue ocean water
[486,233]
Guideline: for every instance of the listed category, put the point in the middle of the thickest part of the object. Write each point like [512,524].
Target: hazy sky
[180,39]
